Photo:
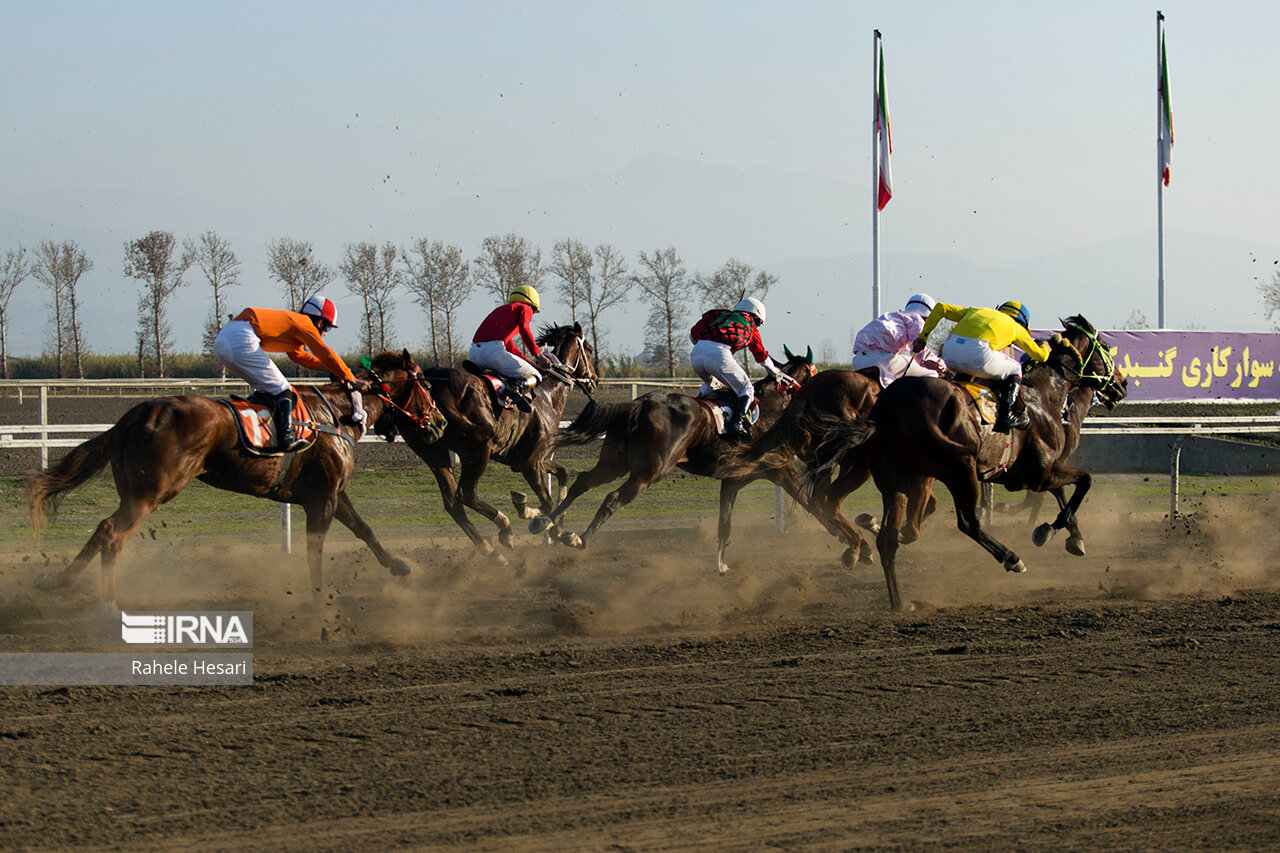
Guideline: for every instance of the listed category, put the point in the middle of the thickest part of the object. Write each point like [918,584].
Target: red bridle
[417,392]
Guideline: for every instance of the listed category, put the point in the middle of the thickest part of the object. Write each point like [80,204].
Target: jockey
[243,343]
[976,346]
[885,343]
[716,337]
[493,346]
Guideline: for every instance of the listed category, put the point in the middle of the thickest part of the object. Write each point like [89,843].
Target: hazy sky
[1025,127]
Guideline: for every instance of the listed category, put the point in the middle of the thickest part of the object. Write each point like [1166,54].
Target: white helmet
[918,301]
[751,305]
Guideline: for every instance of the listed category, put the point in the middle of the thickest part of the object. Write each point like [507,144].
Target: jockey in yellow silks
[976,346]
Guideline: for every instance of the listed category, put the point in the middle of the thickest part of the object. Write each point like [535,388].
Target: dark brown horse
[832,395]
[477,434]
[160,446]
[648,437]
[928,428]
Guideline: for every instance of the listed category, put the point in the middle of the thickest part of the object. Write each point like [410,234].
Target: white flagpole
[1160,95]
[875,176]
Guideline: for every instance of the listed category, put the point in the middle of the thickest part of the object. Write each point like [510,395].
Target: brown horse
[843,395]
[477,433]
[928,428]
[648,437]
[161,445]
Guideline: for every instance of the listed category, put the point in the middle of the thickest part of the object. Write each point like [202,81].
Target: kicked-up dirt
[627,698]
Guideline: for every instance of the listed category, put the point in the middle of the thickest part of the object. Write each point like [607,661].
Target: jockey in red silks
[493,346]
[716,337]
[885,343]
[243,343]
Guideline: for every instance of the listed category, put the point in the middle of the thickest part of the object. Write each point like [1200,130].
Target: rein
[417,392]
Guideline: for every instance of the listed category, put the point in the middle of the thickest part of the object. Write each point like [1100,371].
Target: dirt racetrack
[629,699]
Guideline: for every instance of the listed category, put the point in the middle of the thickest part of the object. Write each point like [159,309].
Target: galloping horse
[161,445]
[843,395]
[523,441]
[648,437]
[927,428]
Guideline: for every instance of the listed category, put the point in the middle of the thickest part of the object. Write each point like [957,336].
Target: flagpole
[875,176]
[1160,95]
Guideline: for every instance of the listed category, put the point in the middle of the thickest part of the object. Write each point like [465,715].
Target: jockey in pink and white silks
[885,343]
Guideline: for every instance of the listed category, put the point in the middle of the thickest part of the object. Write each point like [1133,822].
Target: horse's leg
[346,514]
[1067,509]
[606,470]
[473,467]
[458,512]
[965,491]
[728,495]
[921,503]
[319,516]
[614,501]
[893,501]
[521,500]
[827,499]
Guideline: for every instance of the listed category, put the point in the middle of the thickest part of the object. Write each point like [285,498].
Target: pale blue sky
[1020,129]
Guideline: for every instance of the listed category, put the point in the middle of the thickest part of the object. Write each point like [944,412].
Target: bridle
[417,393]
[582,371]
[1100,382]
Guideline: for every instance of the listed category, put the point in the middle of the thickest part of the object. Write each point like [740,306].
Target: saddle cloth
[720,404]
[495,382]
[258,430]
[984,398]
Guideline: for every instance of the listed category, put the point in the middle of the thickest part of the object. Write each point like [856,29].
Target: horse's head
[398,382]
[569,343]
[798,367]
[1095,363]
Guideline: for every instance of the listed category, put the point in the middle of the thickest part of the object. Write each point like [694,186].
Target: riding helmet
[751,305]
[319,306]
[526,294]
[920,303]
[1017,311]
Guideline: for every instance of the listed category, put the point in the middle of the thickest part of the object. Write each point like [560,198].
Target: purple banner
[1164,366]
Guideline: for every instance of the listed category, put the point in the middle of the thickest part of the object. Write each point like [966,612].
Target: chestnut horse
[161,445]
[477,434]
[927,428]
[648,437]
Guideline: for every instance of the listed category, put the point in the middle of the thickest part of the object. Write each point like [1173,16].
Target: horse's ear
[577,328]
[786,350]
[408,359]
[809,358]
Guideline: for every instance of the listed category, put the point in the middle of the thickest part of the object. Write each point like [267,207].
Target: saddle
[720,404]
[496,382]
[983,391]
[256,426]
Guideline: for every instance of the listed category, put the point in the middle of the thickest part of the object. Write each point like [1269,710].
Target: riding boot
[738,428]
[516,391]
[287,437]
[1008,417]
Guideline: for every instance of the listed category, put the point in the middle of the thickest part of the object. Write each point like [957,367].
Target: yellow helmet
[526,294]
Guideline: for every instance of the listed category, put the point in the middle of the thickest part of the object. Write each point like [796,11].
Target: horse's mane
[551,336]
[388,360]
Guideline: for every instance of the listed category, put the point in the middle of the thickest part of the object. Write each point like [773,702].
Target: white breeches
[711,359]
[496,357]
[974,355]
[893,365]
[239,349]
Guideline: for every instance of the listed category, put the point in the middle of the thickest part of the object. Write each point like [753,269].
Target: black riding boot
[738,427]
[518,392]
[287,437]
[1007,416]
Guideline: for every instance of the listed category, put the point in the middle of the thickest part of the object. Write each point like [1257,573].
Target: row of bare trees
[588,281]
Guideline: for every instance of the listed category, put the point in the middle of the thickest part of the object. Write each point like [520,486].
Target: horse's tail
[597,419]
[773,449]
[45,489]
[833,438]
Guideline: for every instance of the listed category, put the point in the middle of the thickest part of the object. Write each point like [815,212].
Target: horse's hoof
[864,556]
[846,559]
[506,538]
[539,524]
[48,581]
[722,568]
[867,522]
[1075,545]
[111,611]
[399,568]
[573,540]
[1042,533]
[1013,563]
[501,559]
[521,502]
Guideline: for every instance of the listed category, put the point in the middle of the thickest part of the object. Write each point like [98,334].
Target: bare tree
[1138,320]
[665,282]
[440,281]
[151,260]
[13,271]
[221,269]
[506,263]
[292,263]
[571,262]
[731,283]
[59,266]
[1270,291]
[372,275]
[606,286]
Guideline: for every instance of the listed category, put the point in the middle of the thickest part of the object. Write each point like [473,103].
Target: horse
[162,444]
[477,434]
[648,437]
[924,428]
[831,395]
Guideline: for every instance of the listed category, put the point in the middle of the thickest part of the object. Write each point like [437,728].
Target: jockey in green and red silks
[716,338]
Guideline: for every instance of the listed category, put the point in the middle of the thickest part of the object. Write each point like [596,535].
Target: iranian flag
[1166,117]
[885,140]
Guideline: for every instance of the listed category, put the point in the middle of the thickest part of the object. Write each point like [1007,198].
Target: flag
[885,140]
[1166,117]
